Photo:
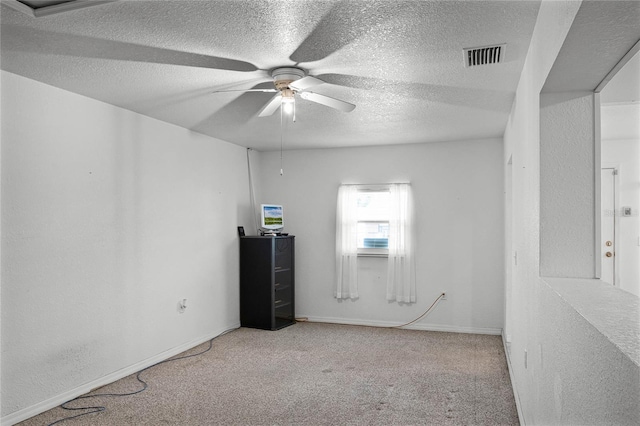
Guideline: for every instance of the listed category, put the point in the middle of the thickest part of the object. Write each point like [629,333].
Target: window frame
[373,252]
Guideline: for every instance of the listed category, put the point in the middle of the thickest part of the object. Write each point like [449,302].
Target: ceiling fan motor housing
[284,76]
[291,81]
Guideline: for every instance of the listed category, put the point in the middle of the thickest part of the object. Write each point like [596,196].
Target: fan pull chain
[281,132]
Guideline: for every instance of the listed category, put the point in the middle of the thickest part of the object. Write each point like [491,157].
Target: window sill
[385,255]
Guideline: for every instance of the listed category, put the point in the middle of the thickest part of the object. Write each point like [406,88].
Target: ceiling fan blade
[32,40]
[494,100]
[305,83]
[225,122]
[328,101]
[344,23]
[242,87]
[246,90]
[271,106]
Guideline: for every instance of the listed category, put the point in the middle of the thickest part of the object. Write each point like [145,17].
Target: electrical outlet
[444,296]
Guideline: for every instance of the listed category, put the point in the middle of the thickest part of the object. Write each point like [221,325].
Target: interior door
[608,228]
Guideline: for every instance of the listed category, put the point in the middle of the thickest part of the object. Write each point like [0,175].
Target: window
[373,221]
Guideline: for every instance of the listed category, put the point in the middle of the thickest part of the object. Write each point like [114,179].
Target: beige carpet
[317,374]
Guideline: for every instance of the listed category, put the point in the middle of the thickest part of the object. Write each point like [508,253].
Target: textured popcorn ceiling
[400,62]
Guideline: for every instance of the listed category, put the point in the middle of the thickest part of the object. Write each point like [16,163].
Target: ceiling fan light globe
[287,105]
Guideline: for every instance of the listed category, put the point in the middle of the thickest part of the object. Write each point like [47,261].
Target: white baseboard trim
[41,407]
[513,381]
[425,327]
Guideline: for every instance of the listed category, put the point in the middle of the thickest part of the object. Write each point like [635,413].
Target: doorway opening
[619,247]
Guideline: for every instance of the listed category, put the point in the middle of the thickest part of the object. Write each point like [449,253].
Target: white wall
[109,218]
[570,364]
[567,185]
[458,191]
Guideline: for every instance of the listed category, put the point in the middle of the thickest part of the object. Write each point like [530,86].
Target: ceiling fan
[292,81]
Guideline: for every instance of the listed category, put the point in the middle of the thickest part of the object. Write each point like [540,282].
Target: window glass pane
[373,205]
[373,235]
[373,219]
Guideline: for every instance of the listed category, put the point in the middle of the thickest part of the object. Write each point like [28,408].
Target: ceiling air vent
[485,55]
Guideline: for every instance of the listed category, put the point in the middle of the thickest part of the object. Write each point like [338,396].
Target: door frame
[509,253]
[616,229]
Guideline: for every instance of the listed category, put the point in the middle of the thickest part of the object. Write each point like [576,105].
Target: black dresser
[267,281]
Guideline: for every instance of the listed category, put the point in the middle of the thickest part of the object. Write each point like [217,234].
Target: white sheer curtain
[401,282]
[347,243]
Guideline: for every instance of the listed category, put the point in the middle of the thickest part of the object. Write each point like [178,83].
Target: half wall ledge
[613,312]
